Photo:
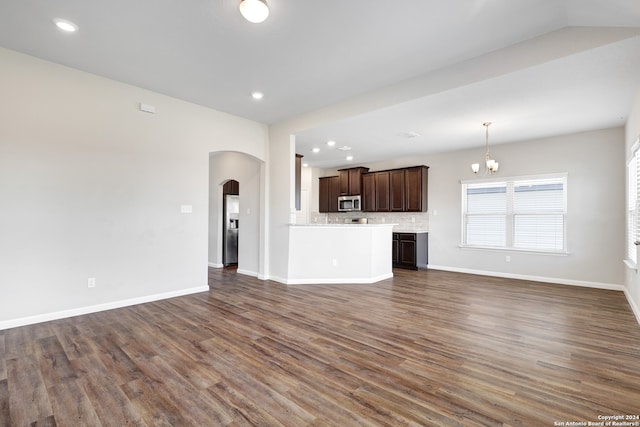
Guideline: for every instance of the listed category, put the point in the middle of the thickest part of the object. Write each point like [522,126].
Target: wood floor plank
[4,403]
[154,406]
[71,405]
[120,366]
[253,386]
[54,363]
[425,348]
[75,339]
[23,341]
[111,404]
[172,391]
[28,395]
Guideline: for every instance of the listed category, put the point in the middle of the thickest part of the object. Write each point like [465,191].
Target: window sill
[631,265]
[515,250]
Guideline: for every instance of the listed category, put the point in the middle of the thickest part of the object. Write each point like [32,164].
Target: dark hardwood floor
[426,348]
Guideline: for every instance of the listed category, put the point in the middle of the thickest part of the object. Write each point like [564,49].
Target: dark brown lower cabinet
[410,250]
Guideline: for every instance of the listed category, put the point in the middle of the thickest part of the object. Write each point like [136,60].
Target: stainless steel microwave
[349,203]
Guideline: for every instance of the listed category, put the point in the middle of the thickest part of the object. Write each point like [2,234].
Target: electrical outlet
[508,258]
[335,262]
[91,282]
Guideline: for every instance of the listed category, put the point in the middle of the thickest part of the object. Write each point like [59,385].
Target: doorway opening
[230,223]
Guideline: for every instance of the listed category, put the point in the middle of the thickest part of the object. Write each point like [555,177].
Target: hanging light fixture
[254,11]
[492,165]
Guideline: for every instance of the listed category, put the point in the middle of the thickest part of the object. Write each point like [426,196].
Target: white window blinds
[633,174]
[486,214]
[526,214]
[538,209]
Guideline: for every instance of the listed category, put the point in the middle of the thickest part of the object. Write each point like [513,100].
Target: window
[518,213]
[632,204]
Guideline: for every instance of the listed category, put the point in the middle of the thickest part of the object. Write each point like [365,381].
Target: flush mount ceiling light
[254,11]
[257,95]
[331,143]
[316,150]
[65,25]
[491,165]
[349,158]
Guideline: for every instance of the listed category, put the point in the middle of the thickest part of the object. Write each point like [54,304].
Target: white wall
[595,220]
[245,169]
[280,196]
[632,132]
[92,187]
[306,188]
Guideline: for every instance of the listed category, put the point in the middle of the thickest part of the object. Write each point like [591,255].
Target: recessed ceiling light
[331,143]
[255,11]
[315,150]
[305,165]
[65,25]
[349,158]
[257,95]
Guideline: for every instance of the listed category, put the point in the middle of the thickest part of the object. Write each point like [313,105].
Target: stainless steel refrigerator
[231,212]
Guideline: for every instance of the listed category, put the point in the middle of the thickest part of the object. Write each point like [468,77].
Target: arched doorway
[249,173]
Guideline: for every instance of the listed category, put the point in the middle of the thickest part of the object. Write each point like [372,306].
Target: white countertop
[358,225]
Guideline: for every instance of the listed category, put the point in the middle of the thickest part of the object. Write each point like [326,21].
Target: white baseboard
[632,303]
[583,283]
[242,271]
[46,317]
[247,272]
[276,279]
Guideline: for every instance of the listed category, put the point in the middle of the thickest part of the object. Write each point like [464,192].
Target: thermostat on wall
[147,108]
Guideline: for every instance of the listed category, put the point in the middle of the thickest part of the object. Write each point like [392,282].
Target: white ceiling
[313,54]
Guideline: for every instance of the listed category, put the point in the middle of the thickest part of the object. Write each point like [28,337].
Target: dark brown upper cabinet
[369,192]
[328,190]
[375,192]
[415,185]
[396,190]
[383,203]
[298,183]
[351,181]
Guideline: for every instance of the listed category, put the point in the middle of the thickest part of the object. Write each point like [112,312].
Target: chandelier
[491,164]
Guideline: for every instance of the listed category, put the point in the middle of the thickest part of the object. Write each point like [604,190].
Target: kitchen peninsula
[339,253]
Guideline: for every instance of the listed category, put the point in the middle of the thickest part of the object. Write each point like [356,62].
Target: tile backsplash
[406,220]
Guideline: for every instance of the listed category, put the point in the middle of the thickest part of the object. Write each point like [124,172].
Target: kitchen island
[339,253]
